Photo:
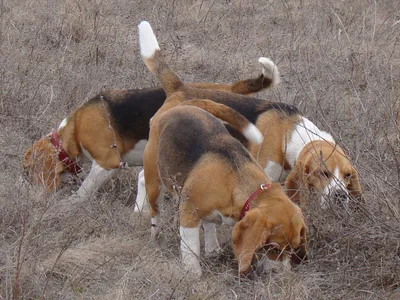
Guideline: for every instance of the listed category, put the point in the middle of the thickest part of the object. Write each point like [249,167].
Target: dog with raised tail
[110,130]
[294,150]
[191,154]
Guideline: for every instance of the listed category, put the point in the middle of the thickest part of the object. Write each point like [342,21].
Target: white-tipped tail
[252,133]
[270,70]
[147,40]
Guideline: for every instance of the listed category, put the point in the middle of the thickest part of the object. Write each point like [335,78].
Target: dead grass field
[340,64]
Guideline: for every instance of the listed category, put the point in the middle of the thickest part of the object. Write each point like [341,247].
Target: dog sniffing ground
[339,64]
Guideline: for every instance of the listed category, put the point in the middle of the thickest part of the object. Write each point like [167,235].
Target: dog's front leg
[190,248]
[211,244]
[96,178]
[189,231]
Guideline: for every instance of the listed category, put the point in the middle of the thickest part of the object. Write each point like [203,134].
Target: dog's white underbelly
[216,217]
[304,132]
[135,156]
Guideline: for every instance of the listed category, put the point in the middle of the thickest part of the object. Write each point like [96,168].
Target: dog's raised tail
[231,116]
[154,60]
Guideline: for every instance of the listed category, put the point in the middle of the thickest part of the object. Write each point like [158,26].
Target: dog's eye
[325,174]
[347,176]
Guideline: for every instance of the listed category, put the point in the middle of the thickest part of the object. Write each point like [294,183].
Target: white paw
[213,252]
[145,208]
[270,70]
[193,268]
[154,232]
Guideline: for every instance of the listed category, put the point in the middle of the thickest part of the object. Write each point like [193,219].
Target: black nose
[25,173]
[341,195]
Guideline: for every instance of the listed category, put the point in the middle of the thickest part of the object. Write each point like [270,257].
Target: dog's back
[131,110]
[200,133]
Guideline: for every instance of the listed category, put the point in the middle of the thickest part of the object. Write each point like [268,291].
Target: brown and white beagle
[111,130]
[294,150]
[192,155]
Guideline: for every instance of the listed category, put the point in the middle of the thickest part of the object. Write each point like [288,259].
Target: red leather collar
[69,163]
[246,206]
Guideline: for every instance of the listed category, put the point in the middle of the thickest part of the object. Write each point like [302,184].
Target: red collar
[69,163]
[246,206]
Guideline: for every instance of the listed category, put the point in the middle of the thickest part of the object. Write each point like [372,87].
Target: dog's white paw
[269,70]
[193,267]
[213,253]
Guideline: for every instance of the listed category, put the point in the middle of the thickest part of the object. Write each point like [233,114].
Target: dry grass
[340,62]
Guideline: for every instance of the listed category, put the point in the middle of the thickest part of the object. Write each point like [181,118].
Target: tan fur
[42,165]
[309,171]
[212,184]
[88,126]
[276,126]
[276,131]
[220,111]
[242,87]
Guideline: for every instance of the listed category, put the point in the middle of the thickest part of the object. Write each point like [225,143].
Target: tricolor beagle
[192,155]
[110,129]
[306,158]
[294,150]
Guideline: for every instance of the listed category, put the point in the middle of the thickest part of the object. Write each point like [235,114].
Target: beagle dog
[110,130]
[294,150]
[192,155]
[305,158]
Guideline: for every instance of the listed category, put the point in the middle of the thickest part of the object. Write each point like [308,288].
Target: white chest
[133,158]
[304,132]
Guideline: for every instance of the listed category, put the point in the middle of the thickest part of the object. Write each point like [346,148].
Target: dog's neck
[248,184]
[304,133]
[66,132]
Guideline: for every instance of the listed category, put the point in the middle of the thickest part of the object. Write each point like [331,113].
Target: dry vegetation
[340,63]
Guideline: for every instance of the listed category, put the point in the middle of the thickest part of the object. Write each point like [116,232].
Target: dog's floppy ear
[297,179]
[300,253]
[248,235]
[42,164]
[27,161]
[51,178]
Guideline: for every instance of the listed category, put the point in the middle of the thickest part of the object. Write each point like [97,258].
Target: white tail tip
[270,70]
[147,40]
[252,133]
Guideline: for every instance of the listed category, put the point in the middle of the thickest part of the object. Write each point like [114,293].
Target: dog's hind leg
[157,194]
[141,203]
[211,244]
[154,188]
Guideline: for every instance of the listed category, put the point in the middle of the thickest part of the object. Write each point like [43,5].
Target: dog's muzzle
[341,196]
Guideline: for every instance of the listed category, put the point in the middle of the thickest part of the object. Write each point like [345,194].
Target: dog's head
[324,168]
[280,225]
[42,165]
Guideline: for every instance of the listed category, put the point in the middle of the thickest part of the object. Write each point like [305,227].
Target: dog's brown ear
[354,186]
[248,235]
[52,179]
[300,253]
[27,161]
[42,165]
[296,181]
